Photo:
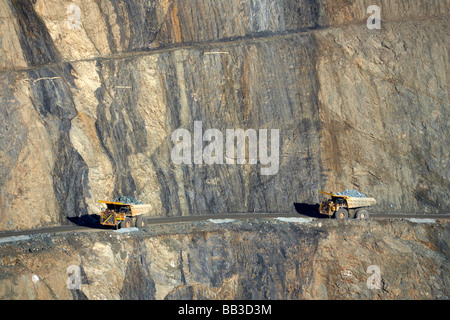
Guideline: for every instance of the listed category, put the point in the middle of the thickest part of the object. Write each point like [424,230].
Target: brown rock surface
[87,112]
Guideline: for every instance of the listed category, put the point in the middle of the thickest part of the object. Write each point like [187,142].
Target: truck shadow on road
[88,220]
[310,210]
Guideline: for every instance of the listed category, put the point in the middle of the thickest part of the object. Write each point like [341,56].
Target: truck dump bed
[136,209]
[140,208]
[353,202]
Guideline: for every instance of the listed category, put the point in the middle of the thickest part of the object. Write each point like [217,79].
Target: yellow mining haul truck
[343,207]
[124,215]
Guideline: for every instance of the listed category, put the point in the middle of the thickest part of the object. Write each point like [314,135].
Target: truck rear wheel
[341,213]
[141,222]
[362,214]
[126,223]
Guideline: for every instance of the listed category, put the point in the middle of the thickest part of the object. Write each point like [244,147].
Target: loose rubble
[127,200]
[351,193]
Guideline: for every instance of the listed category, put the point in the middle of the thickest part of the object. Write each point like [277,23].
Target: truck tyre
[362,214]
[126,223]
[141,222]
[341,213]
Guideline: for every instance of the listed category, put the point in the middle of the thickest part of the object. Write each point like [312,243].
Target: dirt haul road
[218,217]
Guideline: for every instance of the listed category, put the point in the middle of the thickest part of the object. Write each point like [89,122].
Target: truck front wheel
[341,213]
[126,223]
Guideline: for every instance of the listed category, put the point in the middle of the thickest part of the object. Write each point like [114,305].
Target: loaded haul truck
[344,206]
[124,215]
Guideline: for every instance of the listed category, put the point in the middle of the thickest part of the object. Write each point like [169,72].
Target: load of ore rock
[351,193]
[127,200]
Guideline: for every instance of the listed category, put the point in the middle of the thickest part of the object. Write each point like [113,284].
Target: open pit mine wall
[251,259]
[91,92]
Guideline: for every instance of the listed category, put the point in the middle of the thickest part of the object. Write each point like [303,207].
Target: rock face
[249,259]
[92,91]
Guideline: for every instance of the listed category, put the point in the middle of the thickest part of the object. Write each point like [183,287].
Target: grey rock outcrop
[249,259]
